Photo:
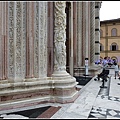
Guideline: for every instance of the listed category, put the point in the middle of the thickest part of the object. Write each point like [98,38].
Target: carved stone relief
[40,44]
[11,40]
[23,53]
[36,40]
[16,40]
[60,36]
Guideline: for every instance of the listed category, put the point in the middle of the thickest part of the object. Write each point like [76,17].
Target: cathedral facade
[40,45]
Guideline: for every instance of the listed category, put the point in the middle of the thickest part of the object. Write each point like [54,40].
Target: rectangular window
[113,47]
[100,48]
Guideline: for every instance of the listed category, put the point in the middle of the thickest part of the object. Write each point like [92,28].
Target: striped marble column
[97,31]
[40,42]
[30,41]
[16,43]
[92,33]
[23,38]
[1,44]
[71,36]
[74,44]
[85,31]
[79,32]
[86,40]
[59,39]
[3,40]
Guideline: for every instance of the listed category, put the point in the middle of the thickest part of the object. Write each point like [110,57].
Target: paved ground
[93,102]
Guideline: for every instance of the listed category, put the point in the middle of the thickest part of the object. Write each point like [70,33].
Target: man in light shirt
[116,70]
[105,61]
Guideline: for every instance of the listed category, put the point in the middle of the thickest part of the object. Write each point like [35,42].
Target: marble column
[59,39]
[40,42]
[16,42]
[23,42]
[79,32]
[1,44]
[50,40]
[97,31]
[75,53]
[3,40]
[30,41]
[87,40]
[63,84]
[92,33]
[85,32]
[71,58]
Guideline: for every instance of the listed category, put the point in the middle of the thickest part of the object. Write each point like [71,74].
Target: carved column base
[64,89]
[60,73]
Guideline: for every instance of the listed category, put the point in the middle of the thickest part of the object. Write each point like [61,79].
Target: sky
[109,10]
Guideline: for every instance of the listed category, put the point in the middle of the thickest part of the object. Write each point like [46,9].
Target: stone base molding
[37,91]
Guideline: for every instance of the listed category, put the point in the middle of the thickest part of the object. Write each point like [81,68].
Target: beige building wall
[107,39]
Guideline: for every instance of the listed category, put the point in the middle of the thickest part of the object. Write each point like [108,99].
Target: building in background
[110,39]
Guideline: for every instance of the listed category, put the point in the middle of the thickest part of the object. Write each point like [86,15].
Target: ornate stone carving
[60,36]
[11,39]
[36,41]
[16,40]
[40,43]
[23,54]
[44,71]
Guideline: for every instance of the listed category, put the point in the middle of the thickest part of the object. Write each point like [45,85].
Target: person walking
[105,62]
[116,70]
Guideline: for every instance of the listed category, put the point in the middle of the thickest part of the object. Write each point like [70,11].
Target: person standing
[116,70]
[105,62]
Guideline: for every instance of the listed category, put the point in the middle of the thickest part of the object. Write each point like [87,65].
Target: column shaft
[79,32]
[30,40]
[59,38]
[97,31]
[1,44]
[40,43]
[75,33]
[3,41]
[85,31]
[92,32]
[16,44]
[71,58]
[23,38]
